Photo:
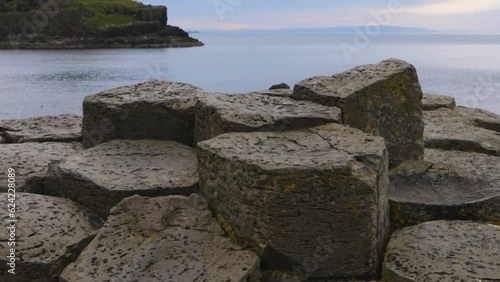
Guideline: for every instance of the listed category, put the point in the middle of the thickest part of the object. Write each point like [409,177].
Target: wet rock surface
[61,128]
[217,114]
[171,238]
[30,160]
[298,196]
[444,251]
[152,110]
[51,232]
[448,185]
[383,99]
[102,176]
[447,129]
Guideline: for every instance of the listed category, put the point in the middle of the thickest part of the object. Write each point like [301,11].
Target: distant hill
[87,24]
[339,30]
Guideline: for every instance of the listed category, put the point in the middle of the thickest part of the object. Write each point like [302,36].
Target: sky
[481,16]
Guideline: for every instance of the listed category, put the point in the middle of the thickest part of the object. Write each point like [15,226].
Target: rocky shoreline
[353,177]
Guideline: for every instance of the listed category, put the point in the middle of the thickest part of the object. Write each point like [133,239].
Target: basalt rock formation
[302,185]
[53,24]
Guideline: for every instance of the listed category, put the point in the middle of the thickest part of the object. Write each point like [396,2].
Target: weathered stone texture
[382,99]
[299,196]
[448,185]
[153,13]
[217,114]
[152,110]
[171,238]
[30,160]
[102,176]
[51,232]
[481,118]
[444,251]
[435,101]
[448,130]
[61,128]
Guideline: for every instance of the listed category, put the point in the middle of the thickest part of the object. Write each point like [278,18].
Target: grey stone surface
[448,130]
[171,238]
[102,176]
[481,118]
[30,160]
[151,110]
[277,92]
[61,128]
[444,251]
[382,99]
[297,197]
[50,233]
[449,185]
[435,101]
[217,114]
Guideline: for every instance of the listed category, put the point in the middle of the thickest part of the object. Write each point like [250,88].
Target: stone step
[383,99]
[450,130]
[218,113]
[100,177]
[152,110]
[481,118]
[444,251]
[298,197]
[30,160]
[61,128]
[50,233]
[172,238]
[449,185]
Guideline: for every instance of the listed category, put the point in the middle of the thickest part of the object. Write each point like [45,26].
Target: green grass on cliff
[108,12]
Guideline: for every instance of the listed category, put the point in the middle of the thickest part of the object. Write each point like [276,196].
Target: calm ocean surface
[35,83]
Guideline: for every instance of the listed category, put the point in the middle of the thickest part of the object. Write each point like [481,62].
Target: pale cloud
[455,7]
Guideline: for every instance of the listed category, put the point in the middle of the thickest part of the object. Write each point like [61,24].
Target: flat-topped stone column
[50,233]
[151,110]
[443,251]
[102,176]
[313,201]
[383,99]
[218,113]
[171,238]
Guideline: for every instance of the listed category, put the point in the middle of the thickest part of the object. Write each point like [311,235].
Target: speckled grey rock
[277,92]
[217,114]
[481,118]
[61,128]
[298,197]
[30,160]
[151,110]
[448,185]
[383,99]
[51,232]
[444,251]
[102,176]
[171,238]
[434,101]
[446,129]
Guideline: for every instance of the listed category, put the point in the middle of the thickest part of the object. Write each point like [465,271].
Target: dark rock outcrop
[383,99]
[162,239]
[280,86]
[312,201]
[77,24]
[443,251]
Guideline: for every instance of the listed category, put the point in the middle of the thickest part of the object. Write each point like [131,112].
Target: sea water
[47,82]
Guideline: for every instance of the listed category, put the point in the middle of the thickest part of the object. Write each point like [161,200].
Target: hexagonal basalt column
[152,110]
[102,176]
[222,113]
[313,200]
[383,99]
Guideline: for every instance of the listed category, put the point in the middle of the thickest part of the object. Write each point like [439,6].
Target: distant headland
[61,24]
